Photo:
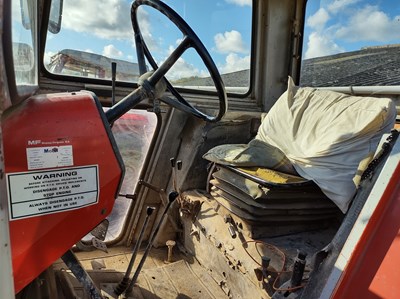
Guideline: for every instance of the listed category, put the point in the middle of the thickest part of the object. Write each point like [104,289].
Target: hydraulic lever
[113,77]
[178,165]
[161,192]
[171,197]
[121,287]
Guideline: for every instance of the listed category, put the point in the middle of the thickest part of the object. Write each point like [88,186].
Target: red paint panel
[68,122]
[386,281]
[374,268]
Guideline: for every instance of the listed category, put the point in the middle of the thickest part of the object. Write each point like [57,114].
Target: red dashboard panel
[63,173]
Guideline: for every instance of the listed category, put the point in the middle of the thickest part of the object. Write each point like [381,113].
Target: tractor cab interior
[231,153]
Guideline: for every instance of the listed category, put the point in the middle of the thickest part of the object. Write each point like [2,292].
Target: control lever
[161,192]
[175,165]
[262,272]
[298,269]
[264,275]
[113,77]
[171,197]
[121,287]
[163,198]
[129,196]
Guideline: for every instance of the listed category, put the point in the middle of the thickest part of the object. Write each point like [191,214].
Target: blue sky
[347,25]
[224,26]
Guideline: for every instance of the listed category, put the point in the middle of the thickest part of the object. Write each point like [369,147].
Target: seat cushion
[250,155]
[326,134]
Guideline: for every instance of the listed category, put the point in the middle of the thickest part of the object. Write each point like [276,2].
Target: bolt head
[170,243]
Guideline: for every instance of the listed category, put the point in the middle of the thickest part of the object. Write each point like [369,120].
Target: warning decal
[45,192]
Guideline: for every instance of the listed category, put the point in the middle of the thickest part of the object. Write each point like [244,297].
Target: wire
[283,256]
[268,246]
[286,289]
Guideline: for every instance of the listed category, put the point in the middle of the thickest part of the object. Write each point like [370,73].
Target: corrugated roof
[100,61]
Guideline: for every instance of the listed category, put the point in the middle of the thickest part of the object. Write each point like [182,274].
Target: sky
[224,26]
[337,26]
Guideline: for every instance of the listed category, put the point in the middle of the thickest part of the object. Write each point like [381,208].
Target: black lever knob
[172,196]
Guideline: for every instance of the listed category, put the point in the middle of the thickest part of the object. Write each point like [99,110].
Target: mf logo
[34,142]
[51,150]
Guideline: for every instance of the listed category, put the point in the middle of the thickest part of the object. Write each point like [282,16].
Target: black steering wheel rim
[190,40]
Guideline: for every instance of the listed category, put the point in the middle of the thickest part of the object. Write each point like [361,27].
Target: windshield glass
[95,33]
[24,44]
[351,43]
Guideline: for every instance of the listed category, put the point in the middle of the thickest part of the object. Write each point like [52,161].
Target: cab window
[351,43]
[24,46]
[133,133]
[95,33]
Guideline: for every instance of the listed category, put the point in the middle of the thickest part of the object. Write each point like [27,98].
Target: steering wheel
[190,40]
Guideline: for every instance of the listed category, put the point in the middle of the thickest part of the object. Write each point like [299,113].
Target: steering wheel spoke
[184,107]
[170,61]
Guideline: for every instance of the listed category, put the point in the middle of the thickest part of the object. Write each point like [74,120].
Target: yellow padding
[272,176]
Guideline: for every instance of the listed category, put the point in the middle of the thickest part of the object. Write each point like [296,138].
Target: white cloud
[339,5]
[240,2]
[145,28]
[112,52]
[230,41]
[178,41]
[321,45]
[172,48]
[318,20]
[370,24]
[234,62]
[105,19]
[363,23]
[182,69]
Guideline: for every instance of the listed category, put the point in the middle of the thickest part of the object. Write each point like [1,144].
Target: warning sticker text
[45,192]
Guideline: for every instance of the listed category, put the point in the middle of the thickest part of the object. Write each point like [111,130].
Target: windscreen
[95,33]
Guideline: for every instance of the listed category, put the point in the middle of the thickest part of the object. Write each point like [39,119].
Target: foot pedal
[99,235]
[99,244]
[100,231]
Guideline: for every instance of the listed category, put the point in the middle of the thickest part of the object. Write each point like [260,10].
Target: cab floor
[183,278]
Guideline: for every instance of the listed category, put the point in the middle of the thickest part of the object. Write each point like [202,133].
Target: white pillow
[326,134]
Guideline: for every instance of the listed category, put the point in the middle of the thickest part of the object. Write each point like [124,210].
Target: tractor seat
[306,160]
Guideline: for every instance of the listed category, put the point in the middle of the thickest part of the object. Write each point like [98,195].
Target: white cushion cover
[326,134]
